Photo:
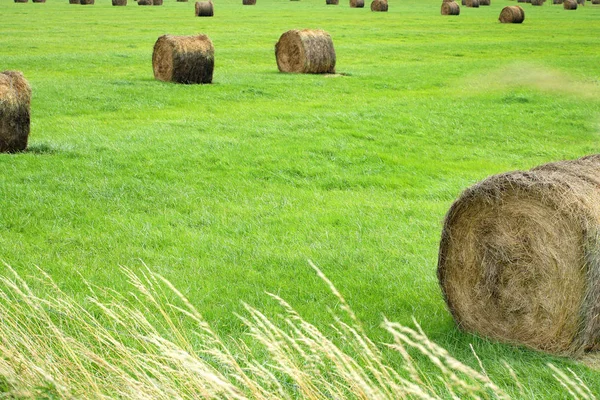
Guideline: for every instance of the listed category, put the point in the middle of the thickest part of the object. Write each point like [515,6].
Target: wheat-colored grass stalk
[154,344]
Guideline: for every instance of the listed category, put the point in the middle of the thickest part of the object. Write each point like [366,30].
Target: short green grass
[228,189]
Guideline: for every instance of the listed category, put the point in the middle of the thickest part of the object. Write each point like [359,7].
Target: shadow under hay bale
[519,257]
[249,2]
[379,5]
[204,9]
[15,109]
[119,2]
[570,5]
[305,51]
[450,8]
[512,15]
[183,59]
[357,3]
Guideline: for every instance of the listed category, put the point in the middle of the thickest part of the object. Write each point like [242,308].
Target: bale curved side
[204,9]
[357,3]
[519,257]
[305,51]
[512,15]
[379,5]
[472,3]
[450,8]
[570,5]
[15,111]
[183,59]
[537,2]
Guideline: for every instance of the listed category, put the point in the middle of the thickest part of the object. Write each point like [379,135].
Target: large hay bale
[119,2]
[450,8]
[357,3]
[204,9]
[519,257]
[570,5]
[249,2]
[332,2]
[183,59]
[15,101]
[379,5]
[86,2]
[512,15]
[306,51]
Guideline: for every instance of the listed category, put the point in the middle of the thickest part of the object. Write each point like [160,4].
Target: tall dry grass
[141,346]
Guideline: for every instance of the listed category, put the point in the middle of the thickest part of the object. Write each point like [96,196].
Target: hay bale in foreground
[249,2]
[357,3]
[305,51]
[15,101]
[450,8]
[379,5]
[183,59]
[512,15]
[570,5]
[472,3]
[519,257]
[119,2]
[204,9]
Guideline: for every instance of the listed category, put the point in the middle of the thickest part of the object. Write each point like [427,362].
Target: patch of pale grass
[154,344]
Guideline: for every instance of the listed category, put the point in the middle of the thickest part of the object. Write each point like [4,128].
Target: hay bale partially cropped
[512,15]
[305,51]
[379,5]
[472,3]
[119,2]
[204,9]
[15,101]
[357,3]
[249,2]
[570,5]
[450,8]
[519,257]
[183,59]
[595,1]
[332,2]
[86,2]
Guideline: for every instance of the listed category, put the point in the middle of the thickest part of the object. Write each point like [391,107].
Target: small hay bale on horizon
[204,9]
[157,2]
[15,111]
[73,1]
[357,3]
[537,2]
[119,2]
[519,257]
[472,3]
[25,1]
[248,2]
[557,1]
[144,2]
[379,5]
[332,2]
[183,59]
[38,1]
[570,5]
[86,2]
[305,51]
[450,8]
[512,15]
[484,2]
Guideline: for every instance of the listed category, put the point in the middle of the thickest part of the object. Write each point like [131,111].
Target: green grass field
[229,189]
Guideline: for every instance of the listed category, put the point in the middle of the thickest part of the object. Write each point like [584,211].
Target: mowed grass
[228,189]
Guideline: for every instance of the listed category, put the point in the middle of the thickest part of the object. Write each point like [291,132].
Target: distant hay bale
[183,59]
[182,1]
[119,2]
[472,3]
[86,2]
[570,5]
[15,101]
[38,1]
[519,257]
[512,15]
[305,51]
[485,2]
[25,1]
[332,2]
[581,2]
[537,2]
[450,8]
[204,9]
[157,2]
[73,1]
[379,5]
[248,2]
[144,2]
[357,3]
[557,1]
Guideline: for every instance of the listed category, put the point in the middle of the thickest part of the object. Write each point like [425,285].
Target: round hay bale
[512,15]
[450,8]
[484,2]
[204,9]
[332,2]
[249,2]
[570,5]
[183,59]
[537,2]
[119,2]
[144,2]
[472,3]
[379,5]
[557,1]
[73,1]
[15,101]
[86,2]
[581,2]
[306,51]
[182,1]
[595,1]
[24,1]
[519,257]
[157,2]
[357,3]
[38,1]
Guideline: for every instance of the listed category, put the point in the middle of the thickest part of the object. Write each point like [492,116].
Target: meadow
[229,189]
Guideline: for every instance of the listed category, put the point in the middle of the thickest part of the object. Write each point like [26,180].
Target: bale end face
[450,8]
[15,101]
[305,51]
[512,15]
[519,257]
[204,9]
[183,59]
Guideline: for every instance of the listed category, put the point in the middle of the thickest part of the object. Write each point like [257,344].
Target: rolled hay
[144,2]
[379,5]
[73,1]
[450,8]
[512,15]
[204,9]
[332,2]
[305,51]
[248,2]
[15,101]
[570,4]
[485,2]
[357,3]
[38,1]
[557,1]
[595,1]
[86,2]
[157,2]
[21,1]
[183,59]
[537,2]
[472,3]
[581,2]
[119,2]
[519,257]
